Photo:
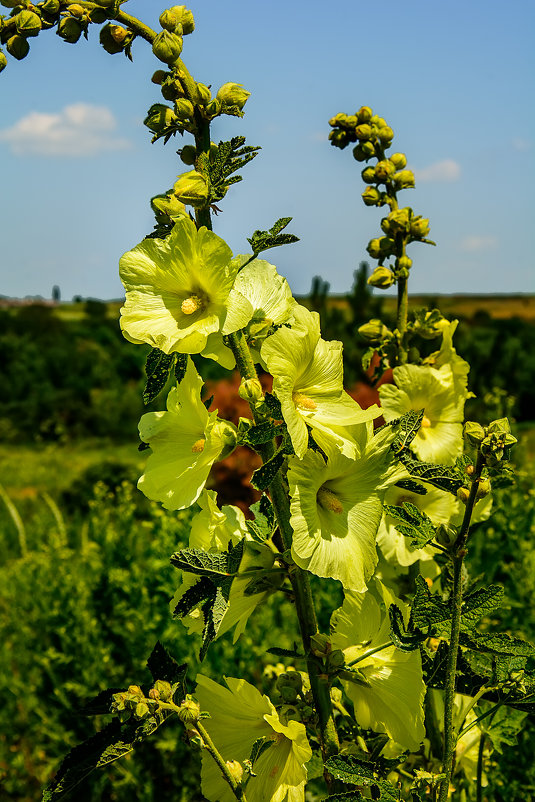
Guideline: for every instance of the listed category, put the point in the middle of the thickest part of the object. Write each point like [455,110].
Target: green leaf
[262,433]
[113,742]
[480,603]
[498,643]
[181,365]
[264,520]
[345,796]
[227,159]
[441,476]
[263,240]
[408,427]
[157,367]
[263,476]
[503,725]
[354,771]
[405,638]
[273,405]
[217,566]
[413,487]
[280,652]
[259,747]
[213,611]
[412,522]
[429,610]
[198,593]
[162,666]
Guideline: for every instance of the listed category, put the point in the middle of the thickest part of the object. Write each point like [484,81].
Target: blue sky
[454,80]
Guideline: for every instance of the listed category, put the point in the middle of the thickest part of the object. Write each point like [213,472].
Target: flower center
[198,446]
[192,304]
[327,499]
[303,401]
[426,423]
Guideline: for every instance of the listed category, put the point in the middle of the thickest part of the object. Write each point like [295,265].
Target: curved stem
[235,786]
[369,652]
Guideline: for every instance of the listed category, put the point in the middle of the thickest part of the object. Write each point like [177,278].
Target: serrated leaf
[260,434]
[229,157]
[263,476]
[259,747]
[503,725]
[278,651]
[264,521]
[412,522]
[413,487]
[498,643]
[344,796]
[215,565]
[157,367]
[198,593]
[273,404]
[441,476]
[263,240]
[406,639]
[101,703]
[480,603]
[181,365]
[351,770]
[163,666]
[407,427]
[213,611]
[110,744]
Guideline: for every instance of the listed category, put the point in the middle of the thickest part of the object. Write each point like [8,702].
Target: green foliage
[412,522]
[263,240]
[227,159]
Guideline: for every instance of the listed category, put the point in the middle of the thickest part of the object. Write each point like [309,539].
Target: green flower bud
[289,695]
[3,60]
[76,10]
[159,77]
[403,179]
[363,151]
[185,18]
[374,248]
[384,170]
[463,494]
[384,246]
[184,109]
[167,47]
[142,710]
[403,265]
[371,196]
[419,227]
[28,23]
[213,108]
[385,135]
[104,3]
[501,427]
[382,278]
[108,40]
[228,433]
[159,118]
[188,154]
[320,645]
[162,690]
[368,175]
[339,139]
[399,160]
[10,3]
[251,390]
[364,114]
[119,34]
[363,132]
[235,769]
[483,489]
[233,98]
[189,710]
[335,660]
[374,331]
[171,89]
[98,15]
[399,222]
[51,7]
[473,433]
[204,94]
[69,29]
[18,47]
[170,21]
[167,207]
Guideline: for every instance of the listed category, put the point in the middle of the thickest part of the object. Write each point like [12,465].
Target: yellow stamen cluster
[191,305]
[426,423]
[327,499]
[303,401]
[198,446]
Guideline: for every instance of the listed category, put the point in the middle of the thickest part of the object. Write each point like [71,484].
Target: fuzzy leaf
[229,157]
[162,666]
[213,611]
[405,638]
[413,487]
[217,566]
[278,651]
[263,240]
[351,770]
[345,796]
[259,747]
[408,427]
[412,522]
[202,590]
[263,476]
[273,404]
[263,433]
[264,520]
[157,367]
[441,476]
[498,643]
[181,364]
[480,603]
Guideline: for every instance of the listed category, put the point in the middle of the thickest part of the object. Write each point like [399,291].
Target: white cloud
[77,130]
[522,145]
[445,170]
[475,243]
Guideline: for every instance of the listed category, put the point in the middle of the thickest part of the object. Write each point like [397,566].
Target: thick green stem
[304,603]
[458,554]
[479,776]
[235,786]
[401,323]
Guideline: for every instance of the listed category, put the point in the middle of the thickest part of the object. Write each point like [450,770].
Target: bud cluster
[133,704]
[493,441]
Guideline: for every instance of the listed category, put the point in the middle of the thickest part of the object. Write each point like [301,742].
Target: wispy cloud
[78,130]
[475,243]
[522,145]
[445,170]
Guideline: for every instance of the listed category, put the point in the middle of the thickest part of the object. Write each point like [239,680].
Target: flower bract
[392,700]
[185,441]
[308,381]
[239,716]
[336,506]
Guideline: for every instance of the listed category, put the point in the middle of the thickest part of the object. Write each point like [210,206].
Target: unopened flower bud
[159,118]
[104,3]
[371,196]
[69,29]
[384,170]
[189,710]
[235,769]
[335,660]
[399,221]
[162,689]
[229,437]
[385,135]
[185,17]
[213,108]
[404,263]
[3,61]
[463,494]
[18,47]
[108,40]
[399,160]
[204,94]
[170,22]
[363,151]
[188,154]
[159,77]
[368,175]
[27,23]
[184,109]
[374,248]
[171,89]
[320,645]
[473,433]
[374,331]
[51,7]
[167,47]
[118,34]
[167,205]
[232,96]
[364,114]
[382,278]
[98,15]
[483,489]
[192,188]
[404,179]
[420,227]
[363,132]
[76,10]
[251,390]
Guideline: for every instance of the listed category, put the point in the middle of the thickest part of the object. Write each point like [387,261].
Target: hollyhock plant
[239,716]
[185,441]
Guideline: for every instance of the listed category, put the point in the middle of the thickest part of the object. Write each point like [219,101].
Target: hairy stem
[401,322]
[479,776]
[235,786]
[458,554]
